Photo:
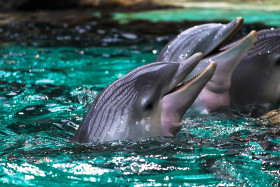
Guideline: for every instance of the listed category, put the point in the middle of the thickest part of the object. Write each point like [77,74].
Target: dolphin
[204,38]
[208,38]
[216,92]
[256,80]
[145,102]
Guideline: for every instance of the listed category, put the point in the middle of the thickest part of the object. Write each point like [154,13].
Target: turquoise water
[269,17]
[45,91]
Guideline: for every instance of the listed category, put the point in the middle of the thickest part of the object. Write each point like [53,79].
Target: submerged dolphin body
[145,102]
[256,79]
[207,38]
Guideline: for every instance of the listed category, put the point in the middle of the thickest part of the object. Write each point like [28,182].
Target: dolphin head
[256,79]
[145,102]
[209,39]
[216,92]
[203,38]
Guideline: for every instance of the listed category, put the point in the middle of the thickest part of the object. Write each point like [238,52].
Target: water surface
[46,89]
[269,17]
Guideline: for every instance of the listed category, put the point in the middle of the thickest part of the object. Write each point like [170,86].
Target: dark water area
[52,69]
[65,28]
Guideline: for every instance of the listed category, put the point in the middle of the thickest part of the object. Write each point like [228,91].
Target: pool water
[269,17]
[46,89]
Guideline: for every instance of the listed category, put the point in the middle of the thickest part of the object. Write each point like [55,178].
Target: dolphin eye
[148,105]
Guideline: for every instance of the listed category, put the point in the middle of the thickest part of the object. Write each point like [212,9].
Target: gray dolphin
[256,79]
[145,102]
[216,92]
[203,38]
[208,38]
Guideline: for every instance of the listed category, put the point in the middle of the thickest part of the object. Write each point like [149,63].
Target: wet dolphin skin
[145,102]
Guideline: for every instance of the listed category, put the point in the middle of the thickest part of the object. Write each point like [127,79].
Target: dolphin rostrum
[256,79]
[145,102]
[216,93]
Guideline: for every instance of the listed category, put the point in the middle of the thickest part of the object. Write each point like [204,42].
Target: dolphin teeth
[192,79]
[179,86]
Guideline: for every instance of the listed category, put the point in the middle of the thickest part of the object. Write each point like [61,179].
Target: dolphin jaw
[184,69]
[227,60]
[175,103]
[182,86]
[250,39]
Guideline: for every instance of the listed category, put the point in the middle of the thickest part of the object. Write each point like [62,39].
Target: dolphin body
[256,80]
[208,38]
[145,102]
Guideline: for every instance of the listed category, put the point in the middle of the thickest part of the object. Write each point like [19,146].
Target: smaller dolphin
[256,80]
[203,38]
[208,39]
[145,102]
[216,92]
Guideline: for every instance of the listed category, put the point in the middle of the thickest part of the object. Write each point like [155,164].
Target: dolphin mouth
[205,73]
[247,41]
[220,36]
[251,37]
[179,99]
[224,35]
